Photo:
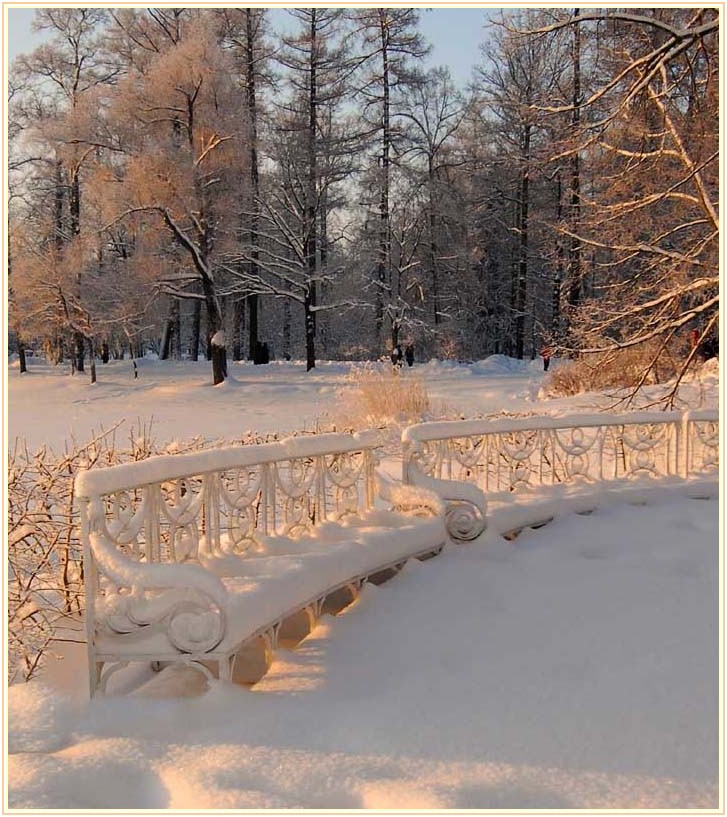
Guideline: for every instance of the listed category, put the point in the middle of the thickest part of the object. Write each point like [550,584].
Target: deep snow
[575,666]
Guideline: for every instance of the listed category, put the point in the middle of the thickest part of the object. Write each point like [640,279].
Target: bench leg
[252,661]
[296,627]
[337,601]
[95,670]
[224,668]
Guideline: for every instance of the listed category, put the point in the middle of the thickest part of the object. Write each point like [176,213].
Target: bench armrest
[409,498]
[466,504]
[185,601]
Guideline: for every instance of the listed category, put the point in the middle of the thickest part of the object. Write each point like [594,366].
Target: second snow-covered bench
[527,465]
[213,559]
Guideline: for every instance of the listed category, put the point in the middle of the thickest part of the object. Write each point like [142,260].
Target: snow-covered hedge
[45,573]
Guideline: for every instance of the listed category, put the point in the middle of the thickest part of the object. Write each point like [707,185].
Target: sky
[455,34]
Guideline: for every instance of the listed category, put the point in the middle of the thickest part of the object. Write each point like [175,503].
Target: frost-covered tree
[63,88]
[245,33]
[186,140]
[390,56]
[311,155]
[434,111]
[520,76]
[650,218]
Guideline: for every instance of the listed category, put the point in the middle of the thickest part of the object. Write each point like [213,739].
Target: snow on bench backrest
[166,508]
[515,454]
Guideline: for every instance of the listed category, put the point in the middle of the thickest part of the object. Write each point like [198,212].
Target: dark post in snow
[218,347]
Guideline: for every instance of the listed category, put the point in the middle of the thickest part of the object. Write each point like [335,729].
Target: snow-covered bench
[526,466]
[214,558]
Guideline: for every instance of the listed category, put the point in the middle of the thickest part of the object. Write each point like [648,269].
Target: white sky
[454,33]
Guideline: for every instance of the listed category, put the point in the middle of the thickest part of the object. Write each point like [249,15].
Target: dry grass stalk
[380,395]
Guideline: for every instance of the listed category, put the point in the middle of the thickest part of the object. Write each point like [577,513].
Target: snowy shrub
[45,581]
[628,369]
[45,558]
[381,395]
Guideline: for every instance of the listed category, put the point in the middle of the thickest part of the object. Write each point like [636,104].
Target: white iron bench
[529,466]
[214,559]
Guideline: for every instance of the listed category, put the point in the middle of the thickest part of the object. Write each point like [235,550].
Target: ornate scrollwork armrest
[409,498]
[466,504]
[186,602]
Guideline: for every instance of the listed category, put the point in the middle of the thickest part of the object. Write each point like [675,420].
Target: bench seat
[176,574]
[266,590]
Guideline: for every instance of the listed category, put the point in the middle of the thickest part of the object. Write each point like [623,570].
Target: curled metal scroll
[464,520]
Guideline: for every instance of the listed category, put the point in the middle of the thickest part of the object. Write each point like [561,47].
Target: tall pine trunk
[384,261]
[253,303]
[575,272]
[311,249]
[521,284]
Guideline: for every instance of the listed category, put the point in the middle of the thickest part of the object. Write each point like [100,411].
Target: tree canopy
[189,181]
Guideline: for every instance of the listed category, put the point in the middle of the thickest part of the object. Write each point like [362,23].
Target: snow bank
[574,667]
[503,365]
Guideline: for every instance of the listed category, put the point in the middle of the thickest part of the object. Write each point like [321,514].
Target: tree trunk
[310,330]
[384,261]
[522,268]
[58,201]
[176,318]
[311,249]
[238,327]
[253,336]
[433,250]
[286,329]
[216,343]
[252,298]
[166,341]
[196,330]
[92,359]
[395,329]
[575,273]
[218,355]
[80,343]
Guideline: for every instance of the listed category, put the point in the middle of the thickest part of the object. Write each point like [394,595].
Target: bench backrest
[516,454]
[165,508]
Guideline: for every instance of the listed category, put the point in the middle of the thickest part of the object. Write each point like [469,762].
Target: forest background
[192,182]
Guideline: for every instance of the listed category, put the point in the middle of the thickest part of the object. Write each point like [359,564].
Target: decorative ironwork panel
[525,453]
[226,511]
[234,506]
[646,449]
[702,445]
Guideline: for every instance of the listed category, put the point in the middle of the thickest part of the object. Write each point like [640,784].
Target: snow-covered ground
[48,406]
[575,666]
